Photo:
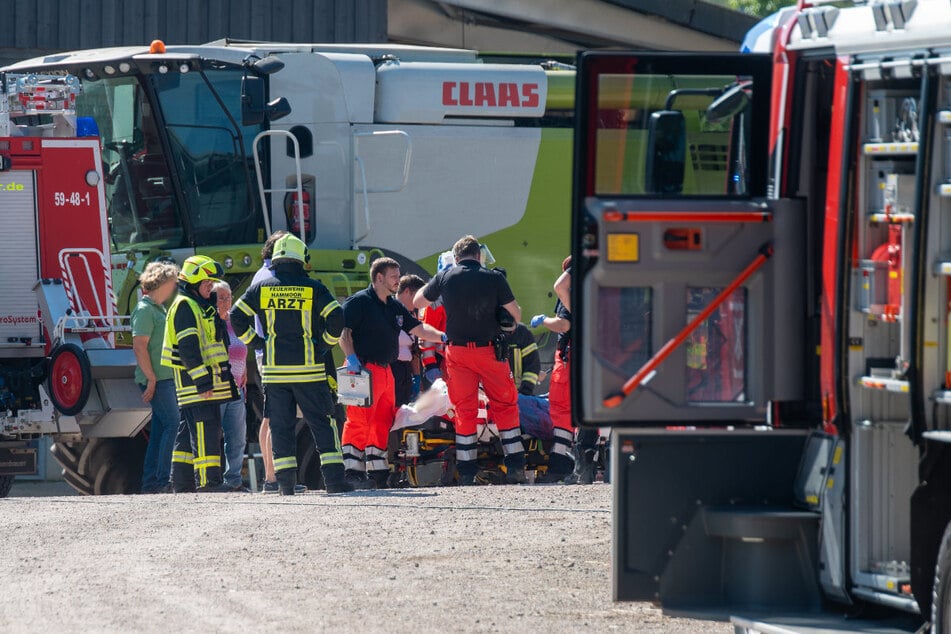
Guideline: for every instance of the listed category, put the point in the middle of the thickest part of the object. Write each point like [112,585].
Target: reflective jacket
[432,353]
[524,358]
[301,321]
[195,349]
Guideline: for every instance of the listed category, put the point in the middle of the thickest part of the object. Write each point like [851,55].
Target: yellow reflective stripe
[517,369]
[530,348]
[281,464]
[305,323]
[187,333]
[337,436]
[330,339]
[247,336]
[184,457]
[329,308]
[331,458]
[208,461]
[199,459]
[293,378]
[198,372]
[244,308]
[530,377]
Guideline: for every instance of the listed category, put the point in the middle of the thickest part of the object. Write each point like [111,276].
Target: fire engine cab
[770,338]
[58,317]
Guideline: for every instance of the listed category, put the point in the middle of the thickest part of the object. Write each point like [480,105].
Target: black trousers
[317,406]
[402,381]
[196,460]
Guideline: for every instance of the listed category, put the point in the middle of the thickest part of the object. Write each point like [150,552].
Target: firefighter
[524,360]
[374,319]
[561,466]
[301,321]
[195,347]
[472,295]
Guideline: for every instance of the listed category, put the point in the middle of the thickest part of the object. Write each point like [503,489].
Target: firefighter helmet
[199,268]
[290,247]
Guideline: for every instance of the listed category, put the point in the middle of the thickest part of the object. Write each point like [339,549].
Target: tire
[6,482]
[941,592]
[103,466]
[70,378]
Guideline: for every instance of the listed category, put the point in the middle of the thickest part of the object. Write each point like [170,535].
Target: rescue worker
[561,466]
[524,360]
[301,320]
[406,368]
[472,295]
[433,354]
[195,347]
[374,319]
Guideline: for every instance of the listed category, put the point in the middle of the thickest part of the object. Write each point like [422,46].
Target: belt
[470,344]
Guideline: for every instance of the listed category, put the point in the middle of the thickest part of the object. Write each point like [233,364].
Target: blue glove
[432,374]
[537,321]
[444,338]
[353,364]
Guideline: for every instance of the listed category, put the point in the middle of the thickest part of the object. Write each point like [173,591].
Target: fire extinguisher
[293,212]
[890,252]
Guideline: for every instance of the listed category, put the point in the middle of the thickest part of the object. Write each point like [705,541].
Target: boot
[584,467]
[560,467]
[380,478]
[515,468]
[334,480]
[467,472]
[221,487]
[287,481]
[358,480]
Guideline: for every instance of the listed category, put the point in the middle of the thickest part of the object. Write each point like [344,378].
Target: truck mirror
[267,66]
[666,151]
[252,100]
[731,102]
[254,110]
[278,108]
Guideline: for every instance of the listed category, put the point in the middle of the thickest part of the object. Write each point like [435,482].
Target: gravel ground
[531,558]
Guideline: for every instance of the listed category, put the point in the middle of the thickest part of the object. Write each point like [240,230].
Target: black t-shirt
[564,338]
[471,294]
[376,326]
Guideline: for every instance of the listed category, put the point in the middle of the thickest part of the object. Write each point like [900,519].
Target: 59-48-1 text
[72,199]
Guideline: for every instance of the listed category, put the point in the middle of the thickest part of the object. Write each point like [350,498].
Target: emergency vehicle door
[688,296]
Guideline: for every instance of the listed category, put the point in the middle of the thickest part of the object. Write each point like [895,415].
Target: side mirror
[254,110]
[267,66]
[666,152]
[730,103]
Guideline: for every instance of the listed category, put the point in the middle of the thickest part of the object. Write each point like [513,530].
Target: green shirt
[148,320]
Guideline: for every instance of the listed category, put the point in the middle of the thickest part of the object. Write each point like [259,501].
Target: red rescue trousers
[367,429]
[559,406]
[466,368]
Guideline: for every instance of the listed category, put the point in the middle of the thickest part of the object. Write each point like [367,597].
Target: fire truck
[761,297]
[362,150]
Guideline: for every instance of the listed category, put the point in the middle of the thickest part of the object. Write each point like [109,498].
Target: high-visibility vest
[214,355]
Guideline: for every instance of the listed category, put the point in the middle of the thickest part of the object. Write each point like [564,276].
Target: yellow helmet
[290,247]
[199,268]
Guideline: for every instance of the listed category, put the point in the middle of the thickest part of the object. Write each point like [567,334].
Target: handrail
[298,189]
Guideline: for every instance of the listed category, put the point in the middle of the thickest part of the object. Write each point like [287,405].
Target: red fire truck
[761,297]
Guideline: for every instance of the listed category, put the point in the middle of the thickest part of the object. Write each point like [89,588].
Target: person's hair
[221,285]
[466,247]
[566,263]
[411,282]
[268,250]
[382,265]
[156,274]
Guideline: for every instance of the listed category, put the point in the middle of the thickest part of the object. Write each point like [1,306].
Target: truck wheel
[5,483]
[70,378]
[308,460]
[941,593]
[103,466]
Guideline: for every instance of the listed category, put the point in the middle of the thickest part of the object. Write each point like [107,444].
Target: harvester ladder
[298,188]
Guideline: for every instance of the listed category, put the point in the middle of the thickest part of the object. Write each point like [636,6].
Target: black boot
[358,480]
[467,472]
[584,467]
[515,468]
[286,480]
[380,478]
[334,481]
[560,467]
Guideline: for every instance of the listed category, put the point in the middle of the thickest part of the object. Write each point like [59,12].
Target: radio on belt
[354,389]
